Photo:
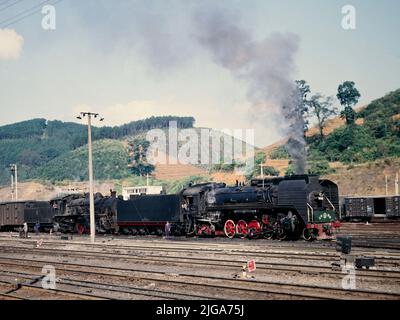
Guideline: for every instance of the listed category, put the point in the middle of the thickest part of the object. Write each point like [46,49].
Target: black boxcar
[14,214]
[366,208]
[358,208]
[393,207]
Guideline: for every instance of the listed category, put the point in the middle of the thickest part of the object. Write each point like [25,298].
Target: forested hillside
[110,161]
[34,144]
[374,135]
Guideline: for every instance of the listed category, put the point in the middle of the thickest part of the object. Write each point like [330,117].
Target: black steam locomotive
[284,207]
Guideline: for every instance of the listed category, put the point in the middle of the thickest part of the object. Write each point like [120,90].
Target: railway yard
[149,267]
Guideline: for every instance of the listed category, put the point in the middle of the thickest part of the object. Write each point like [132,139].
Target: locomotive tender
[282,207]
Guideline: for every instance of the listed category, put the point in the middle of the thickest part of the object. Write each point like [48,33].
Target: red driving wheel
[242,228]
[80,228]
[255,226]
[204,230]
[229,228]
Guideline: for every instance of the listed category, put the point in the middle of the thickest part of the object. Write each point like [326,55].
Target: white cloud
[10,44]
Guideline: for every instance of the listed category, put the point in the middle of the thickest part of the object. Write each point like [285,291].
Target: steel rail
[234,264]
[280,285]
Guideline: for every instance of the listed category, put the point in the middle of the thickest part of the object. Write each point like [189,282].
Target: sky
[131,59]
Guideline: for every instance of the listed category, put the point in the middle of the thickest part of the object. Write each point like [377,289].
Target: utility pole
[91,188]
[14,181]
[262,173]
[386,184]
[12,187]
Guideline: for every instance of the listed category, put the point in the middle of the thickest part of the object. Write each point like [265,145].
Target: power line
[10,5]
[4,2]
[23,12]
[10,21]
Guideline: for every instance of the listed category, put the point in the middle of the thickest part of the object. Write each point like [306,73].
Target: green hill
[35,144]
[110,160]
[375,136]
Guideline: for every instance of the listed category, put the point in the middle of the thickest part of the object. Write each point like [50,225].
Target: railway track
[175,246]
[325,270]
[107,289]
[137,250]
[383,258]
[359,242]
[258,288]
[29,291]
[5,296]
[221,292]
[120,270]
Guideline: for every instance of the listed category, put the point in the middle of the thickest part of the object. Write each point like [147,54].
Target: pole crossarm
[89,115]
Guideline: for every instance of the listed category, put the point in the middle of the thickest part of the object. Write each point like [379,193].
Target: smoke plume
[266,66]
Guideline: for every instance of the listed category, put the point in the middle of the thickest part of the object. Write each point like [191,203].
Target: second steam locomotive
[282,207]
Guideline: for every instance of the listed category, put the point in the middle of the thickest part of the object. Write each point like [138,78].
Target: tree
[321,108]
[290,170]
[259,160]
[279,153]
[139,164]
[348,96]
[303,89]
[320,167]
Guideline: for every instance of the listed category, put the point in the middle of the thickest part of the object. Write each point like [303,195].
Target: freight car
[393,207]
[370,207]
[14,214]
[285,207]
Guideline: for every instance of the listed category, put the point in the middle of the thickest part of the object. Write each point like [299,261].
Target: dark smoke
[296,145]
[267,66]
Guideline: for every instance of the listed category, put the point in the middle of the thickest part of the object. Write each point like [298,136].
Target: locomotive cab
[322,212]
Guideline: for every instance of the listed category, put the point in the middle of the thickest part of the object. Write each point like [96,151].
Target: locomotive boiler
[72,213]
[284,207]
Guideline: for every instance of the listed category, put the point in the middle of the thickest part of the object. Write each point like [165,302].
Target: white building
[127,192]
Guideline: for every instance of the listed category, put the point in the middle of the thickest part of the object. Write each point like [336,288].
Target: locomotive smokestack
[267,66]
